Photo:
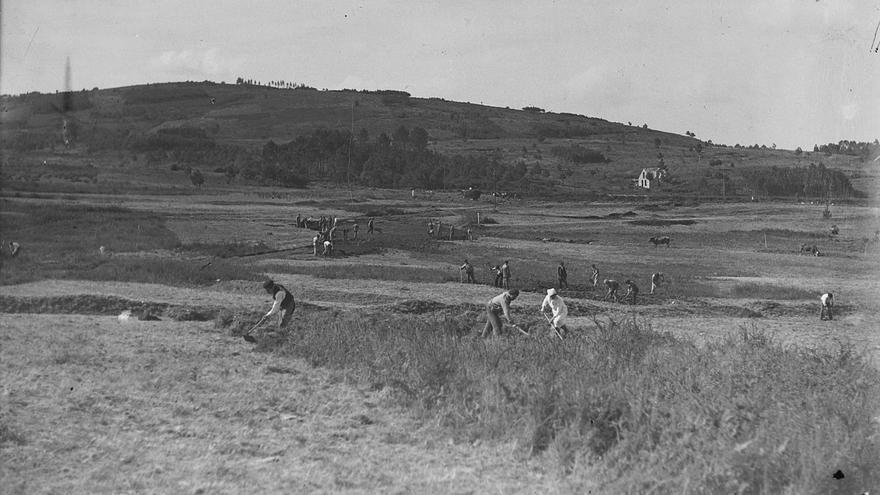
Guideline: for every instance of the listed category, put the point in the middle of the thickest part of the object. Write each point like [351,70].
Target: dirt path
[106,407]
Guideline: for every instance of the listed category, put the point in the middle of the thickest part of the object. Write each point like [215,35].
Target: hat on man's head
[268,284]
[551,292]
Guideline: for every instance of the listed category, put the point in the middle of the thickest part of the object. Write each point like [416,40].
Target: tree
[196,177]
[400,137]
[419,139]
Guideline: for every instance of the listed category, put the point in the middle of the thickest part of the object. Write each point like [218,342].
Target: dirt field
[94,405]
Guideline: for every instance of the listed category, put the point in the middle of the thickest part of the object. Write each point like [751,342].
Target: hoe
[250,338]
[556,330]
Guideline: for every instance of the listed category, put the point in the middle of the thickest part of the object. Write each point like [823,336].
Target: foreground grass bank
[643,411]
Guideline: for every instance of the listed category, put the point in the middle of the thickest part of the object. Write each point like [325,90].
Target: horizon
[784,73]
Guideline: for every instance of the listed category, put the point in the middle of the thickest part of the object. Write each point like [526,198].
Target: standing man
[631,290]
[470,236]
[451,231]
[355,228]
[559,310]
[497,271]
[370,227]
[827,300]
[561,276]
[505,275]
[595,276]
[14,248]
[656,278]
[317,242]
[299,222]
[494,308]
[468,269]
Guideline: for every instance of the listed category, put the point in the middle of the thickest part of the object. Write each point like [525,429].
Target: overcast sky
[790,72]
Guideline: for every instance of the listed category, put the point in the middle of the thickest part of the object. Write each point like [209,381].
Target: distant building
[650,177]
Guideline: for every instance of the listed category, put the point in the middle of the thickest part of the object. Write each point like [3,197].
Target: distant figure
[317,242]
[356,228]
[370,226]
[595,276]
[611,286]
[827,300]
[656,279]
[498,277]
[834,230]
[344,234]
[494,308]
[412,192]
[328,248]
[14,248]
[451,231]
[102,250]
[468,270]
[558,308]
[505,275]
[561,276]
[632,290]
[470,236]
[299,222]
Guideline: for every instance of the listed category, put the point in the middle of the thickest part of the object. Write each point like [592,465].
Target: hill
[246,134]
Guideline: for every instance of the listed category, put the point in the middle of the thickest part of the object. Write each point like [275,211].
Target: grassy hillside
[112,129]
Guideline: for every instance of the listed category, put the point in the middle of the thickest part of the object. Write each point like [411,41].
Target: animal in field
[810,249]
[656,241]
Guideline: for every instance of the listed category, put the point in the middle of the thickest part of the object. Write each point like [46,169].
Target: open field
[92,404]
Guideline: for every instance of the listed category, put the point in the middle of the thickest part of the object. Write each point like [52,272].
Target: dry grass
[94,406]
[655,413]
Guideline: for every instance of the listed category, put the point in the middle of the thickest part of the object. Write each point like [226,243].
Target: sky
[788,72]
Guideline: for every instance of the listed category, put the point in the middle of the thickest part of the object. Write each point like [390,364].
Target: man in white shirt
[558,308]
[827,303]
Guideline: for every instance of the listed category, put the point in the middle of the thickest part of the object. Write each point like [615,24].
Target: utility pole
[350,145]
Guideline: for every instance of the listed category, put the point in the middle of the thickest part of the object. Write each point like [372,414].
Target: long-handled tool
[556,330]
[250,338]
[518,328]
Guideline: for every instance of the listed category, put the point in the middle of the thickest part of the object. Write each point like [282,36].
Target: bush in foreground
[649,412]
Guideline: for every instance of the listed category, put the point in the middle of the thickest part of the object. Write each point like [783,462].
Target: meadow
[724,380]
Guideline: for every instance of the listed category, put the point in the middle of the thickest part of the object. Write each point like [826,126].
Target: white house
[650,177]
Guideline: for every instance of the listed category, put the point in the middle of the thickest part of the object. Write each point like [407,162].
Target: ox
[656,241]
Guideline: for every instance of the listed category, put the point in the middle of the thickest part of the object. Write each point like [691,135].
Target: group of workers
[497,307]
[326,235]
[435,230]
